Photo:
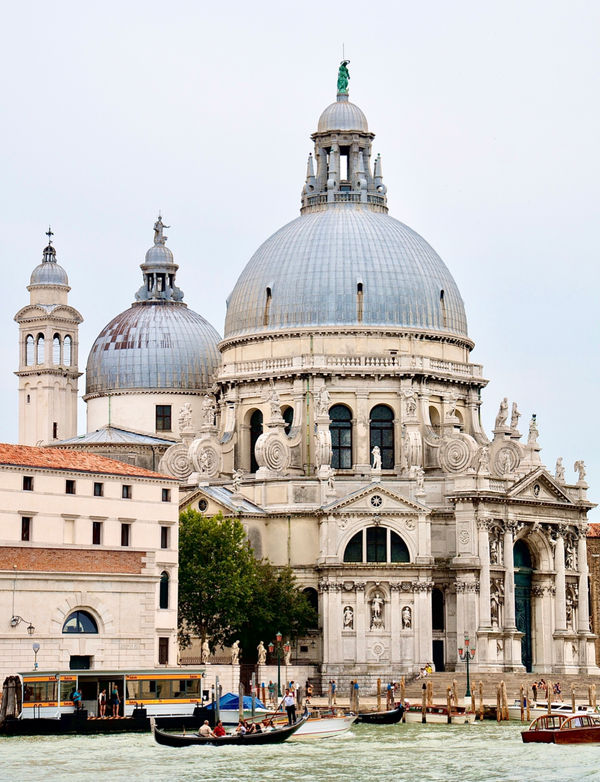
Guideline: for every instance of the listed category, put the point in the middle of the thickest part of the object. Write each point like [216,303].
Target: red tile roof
[76,461]
[593,531]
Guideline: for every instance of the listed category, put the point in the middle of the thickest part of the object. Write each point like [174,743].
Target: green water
[405,753]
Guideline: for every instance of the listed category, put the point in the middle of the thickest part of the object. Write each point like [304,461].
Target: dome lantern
[159,270]
[49,272]
[343,156]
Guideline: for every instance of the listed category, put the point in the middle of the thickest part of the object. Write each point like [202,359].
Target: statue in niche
[570,557]
[502,414]
[208,410]
[348,618]
[484,460]
[376,454]
[262,653]
[235,653]
[185,418]
[331,481]
[204,651]
[237,480]
[419,475]
[505,461]
[533,431]
[579,467]
[451,401]
[204,462]
[322,402]
[377,611]
[159,226]
[287,655]
[495,550]
[569,613]
[410,401]
[495,610]
[406,618]
[343,77]
[514,417]
[559,471]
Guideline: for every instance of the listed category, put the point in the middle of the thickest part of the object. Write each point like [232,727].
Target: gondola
[390,717]
[192,739]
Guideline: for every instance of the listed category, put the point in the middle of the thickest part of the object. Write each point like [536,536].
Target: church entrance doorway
[438,656]
[523,570]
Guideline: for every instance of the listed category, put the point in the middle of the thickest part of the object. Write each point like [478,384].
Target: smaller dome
[159,255]
[49,272]
[342,115]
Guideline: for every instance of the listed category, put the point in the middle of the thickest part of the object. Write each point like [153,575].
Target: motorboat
[539,708]
[275,736]
[563,729]
[322,724]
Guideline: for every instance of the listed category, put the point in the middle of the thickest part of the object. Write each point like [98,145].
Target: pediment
[539,486]
[376,498]
[211,500]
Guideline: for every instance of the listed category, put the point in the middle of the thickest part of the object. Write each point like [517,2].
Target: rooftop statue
[159,237]
[343,77]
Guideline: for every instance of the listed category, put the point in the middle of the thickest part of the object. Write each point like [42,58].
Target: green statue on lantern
[343,78]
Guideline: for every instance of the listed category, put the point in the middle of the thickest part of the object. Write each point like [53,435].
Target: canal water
[405,753]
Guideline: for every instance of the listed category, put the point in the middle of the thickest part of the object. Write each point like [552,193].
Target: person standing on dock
[102,703]
[115,701]
[289,701]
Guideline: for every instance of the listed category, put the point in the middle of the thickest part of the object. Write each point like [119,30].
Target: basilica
[339,419]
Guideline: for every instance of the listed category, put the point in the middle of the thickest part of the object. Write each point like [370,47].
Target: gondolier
[289,701]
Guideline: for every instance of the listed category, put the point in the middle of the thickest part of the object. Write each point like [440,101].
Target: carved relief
[176,462]
[205,457]
[406,618]
[272,452]
[456,453]
[348,618]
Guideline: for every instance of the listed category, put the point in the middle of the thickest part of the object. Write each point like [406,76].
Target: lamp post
[16,620]
[469,654]
[36,649]
[278,647]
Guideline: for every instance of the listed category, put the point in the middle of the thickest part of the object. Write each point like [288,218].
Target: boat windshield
[581,721]
[547,722]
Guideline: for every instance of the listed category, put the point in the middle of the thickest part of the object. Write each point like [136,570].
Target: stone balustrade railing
[386,362]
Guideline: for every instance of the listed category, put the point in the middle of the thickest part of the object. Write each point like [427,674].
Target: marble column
[583,613]
[509,578]
[422,612]
[560,600]
[326,615]
[485,620]
[362,452]
[361,622]
[395,623]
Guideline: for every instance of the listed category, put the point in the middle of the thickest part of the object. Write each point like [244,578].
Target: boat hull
[324,727]
[190,740]
[390,717]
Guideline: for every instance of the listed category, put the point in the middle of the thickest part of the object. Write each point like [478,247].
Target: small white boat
[539,708]
[323,727]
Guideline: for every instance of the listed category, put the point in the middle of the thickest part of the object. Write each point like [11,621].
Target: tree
[216,577]
[226,593]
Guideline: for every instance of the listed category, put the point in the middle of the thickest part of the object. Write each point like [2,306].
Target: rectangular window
[126,493]
[376,544]
[166,495]
[25,528]
[125,534]
[69,487]
[163,651]
[80,662]
[98,490]
[55,431]
[96,533]
[163,418]
[28,483]
[164,537]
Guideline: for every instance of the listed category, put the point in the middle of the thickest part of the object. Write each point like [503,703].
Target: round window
[202,504]
[376,501]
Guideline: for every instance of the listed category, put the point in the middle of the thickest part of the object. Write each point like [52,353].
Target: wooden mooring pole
[379,694]
[424,704]
[481,701]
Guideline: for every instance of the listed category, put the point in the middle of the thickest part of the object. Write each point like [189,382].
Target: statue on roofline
[343,78]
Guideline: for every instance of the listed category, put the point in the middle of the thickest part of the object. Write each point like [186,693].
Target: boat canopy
[231,701]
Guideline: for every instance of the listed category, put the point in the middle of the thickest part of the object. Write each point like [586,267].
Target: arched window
[56,350]
[382,434]
[522,556]
[437,610]
[29,350]
[379,544]
[256,427]
[288,417]
[163,599]
[434,417]
[80,622]
[39,354]
[67,351]
[341,437]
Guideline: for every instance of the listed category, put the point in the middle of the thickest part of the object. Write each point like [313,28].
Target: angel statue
[579,467]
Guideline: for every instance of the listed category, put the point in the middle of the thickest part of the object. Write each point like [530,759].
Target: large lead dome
[345,261]
[158,343]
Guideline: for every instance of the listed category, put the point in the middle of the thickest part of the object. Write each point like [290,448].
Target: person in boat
[219,730]
[267,725]
[102,703]
[241,728]
[205,731]
[76,698]
[289,702]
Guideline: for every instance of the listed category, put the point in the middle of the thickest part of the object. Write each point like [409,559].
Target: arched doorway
[256,428]
[523,569]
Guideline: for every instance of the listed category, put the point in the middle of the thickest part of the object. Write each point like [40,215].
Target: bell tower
[48,356]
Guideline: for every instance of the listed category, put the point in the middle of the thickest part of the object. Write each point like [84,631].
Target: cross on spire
[49,234]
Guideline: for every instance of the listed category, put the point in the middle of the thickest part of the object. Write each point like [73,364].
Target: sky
[486,116]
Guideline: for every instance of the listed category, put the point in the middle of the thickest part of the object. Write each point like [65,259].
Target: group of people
[245,728]
[206,732]
[546,689]
[425,671]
